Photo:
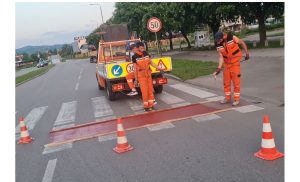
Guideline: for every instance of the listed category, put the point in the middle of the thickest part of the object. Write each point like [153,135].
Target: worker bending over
[230,55]
[130,76]
[142,72]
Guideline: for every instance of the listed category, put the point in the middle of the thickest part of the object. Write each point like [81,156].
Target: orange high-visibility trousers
[146,86]
[232,74]
[129,79]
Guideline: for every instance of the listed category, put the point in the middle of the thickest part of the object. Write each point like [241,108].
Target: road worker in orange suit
[141,60]
[130,76]
[230,56]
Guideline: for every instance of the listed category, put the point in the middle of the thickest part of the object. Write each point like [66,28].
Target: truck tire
[158,89]
[99,86]
[110,94]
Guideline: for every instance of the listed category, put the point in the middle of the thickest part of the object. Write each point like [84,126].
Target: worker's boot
[235,103]
[147,109]
[132,93]
[224,101]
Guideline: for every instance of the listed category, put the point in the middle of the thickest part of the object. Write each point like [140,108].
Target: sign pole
[157,43]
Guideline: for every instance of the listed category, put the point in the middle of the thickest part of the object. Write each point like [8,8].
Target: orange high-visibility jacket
[230,49]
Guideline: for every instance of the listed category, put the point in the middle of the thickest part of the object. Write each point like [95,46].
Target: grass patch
[189,69]
[271,44]
[28,76]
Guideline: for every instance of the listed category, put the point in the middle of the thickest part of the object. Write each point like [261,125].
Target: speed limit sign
[154,24]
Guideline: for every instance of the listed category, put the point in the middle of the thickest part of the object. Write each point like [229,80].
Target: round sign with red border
[130,68]
[154,24]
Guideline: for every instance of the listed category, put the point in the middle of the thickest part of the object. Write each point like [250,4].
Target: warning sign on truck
[119,70]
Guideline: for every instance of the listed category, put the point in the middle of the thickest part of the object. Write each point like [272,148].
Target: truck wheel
[110,94]
[99,86]
[158,89]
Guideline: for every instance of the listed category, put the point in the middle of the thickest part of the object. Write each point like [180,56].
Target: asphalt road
[219,147]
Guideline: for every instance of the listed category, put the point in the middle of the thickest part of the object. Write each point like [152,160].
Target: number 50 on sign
[154,24]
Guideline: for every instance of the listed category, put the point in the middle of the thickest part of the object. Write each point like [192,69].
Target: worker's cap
[218,36]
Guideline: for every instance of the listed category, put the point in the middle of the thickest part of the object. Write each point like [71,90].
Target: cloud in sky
[52,23]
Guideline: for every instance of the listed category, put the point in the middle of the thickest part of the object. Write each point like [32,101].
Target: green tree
[34,57]
[213,13]
[66,50]
[260,11]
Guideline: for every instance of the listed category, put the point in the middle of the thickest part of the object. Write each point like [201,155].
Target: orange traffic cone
[24,134]
[122,143]
[268,149]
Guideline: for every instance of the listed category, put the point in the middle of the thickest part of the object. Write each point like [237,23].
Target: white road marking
[106,118]
[48,150]
[192,91]
[77,85]
[63,126]
[101,107]
[67,113]
[49,171]
[180,104]
[169,98]
[212,99]
[135,104]
[160,126]
[206,118]
[33,118]
[107,137]
[248,108]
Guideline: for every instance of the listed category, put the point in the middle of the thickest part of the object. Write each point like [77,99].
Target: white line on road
[160,126]
[212,99]
[33,118]
[135,104]
[248,108]
[180,104]
[106,118]
[101,107]
[49,171]
[192,91]
[77,85]
[206,118]
[63,126]
[67,113]
[48,150]
[107,137]
[169,98]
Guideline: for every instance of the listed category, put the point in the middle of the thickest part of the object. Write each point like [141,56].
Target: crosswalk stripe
[48,150]
[160,126]
[107,137]
[49,170]
[33,118]
[67,113]
[193,91]
[63,126]
[206,118]
[101,107]
[180,104]
[169,98]
[248,108]
[212,99]
[135,104]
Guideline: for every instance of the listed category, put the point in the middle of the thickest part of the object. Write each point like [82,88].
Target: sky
[57,23]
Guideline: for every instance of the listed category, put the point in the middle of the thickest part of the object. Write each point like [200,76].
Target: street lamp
[100,11]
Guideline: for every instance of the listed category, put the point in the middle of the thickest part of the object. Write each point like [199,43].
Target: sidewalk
[262,76]
[25,70]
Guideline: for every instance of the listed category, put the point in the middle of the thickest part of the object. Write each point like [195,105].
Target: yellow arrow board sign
[119,70]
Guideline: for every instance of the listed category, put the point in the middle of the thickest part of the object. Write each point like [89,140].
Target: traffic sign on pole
[154,25]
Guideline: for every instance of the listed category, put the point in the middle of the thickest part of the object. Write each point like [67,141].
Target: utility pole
[100,11]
